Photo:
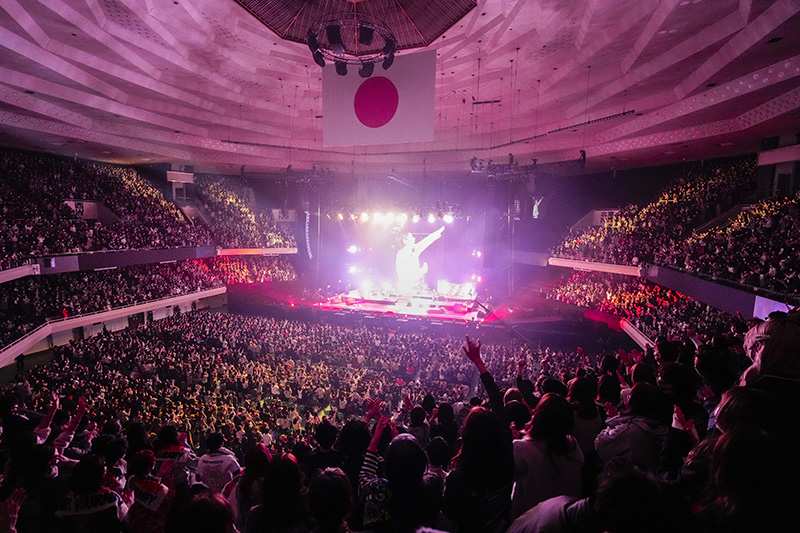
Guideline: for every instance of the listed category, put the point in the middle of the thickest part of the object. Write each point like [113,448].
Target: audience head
[630,500]
[774,348]
[478,459]
[649,402]
[87,476]
[552,423]
[511,395]
[439,452]
[417,416]
[445,414]
[330,497]
[354,439]
[609,389]
[325,434]
[206,512]
[517,414]
[142,463]
[214,441]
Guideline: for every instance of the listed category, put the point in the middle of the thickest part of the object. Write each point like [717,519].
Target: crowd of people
[35,221]
[28,302]
[761,248]
[654,310]
[215,422]
[636,235]
[234,222]
[250,269]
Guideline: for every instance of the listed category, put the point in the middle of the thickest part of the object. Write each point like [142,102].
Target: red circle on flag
[376,102]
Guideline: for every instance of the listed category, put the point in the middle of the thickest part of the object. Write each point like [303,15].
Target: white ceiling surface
[201,82]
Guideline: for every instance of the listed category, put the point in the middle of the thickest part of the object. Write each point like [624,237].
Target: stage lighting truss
[396,216]
[346,39]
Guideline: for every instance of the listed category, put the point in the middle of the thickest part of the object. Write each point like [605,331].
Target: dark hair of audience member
[325,434]
[137,438]
[256,461]
[439,452]
[481,459]
[549,384]
[205,512]
[87,476]
[748,408]
[667,351]
[417,416]
[28,467]
[282,503]
[629,500]
[300,449]
[609,389]
[714,367]
[142,463]
[643,373]
[518,414]
[429,403]
[552,423]
[168,436]
[353,442]
[581,393]
[753,486]
[649,402]
[609,364]
[445,414]
[405,467]
[330,498]
[214,441]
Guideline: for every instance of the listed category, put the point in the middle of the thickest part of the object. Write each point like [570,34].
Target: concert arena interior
[399,266]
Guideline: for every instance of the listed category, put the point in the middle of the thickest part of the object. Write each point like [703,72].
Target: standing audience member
[217,467]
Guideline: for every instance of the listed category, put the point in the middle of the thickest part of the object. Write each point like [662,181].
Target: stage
[427,306]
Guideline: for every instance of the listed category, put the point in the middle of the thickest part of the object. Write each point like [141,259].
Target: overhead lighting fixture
[365,35]
[366,70]
[388,51]
[311,40]
[334,33]
[351,38]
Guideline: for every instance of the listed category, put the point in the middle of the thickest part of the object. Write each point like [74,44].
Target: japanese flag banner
[392,106]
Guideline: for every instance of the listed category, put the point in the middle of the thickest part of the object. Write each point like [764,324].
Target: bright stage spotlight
[448,218]
[390,217]
[401,218]
[340,216]
[352,248]
[431,218]
[352,269]
[353,216]
[415,218]
[364,216]
[377,216]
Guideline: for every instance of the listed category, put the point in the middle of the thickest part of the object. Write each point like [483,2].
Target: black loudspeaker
[489,241]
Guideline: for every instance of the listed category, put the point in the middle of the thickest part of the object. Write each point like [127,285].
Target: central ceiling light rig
[358,32]
[352,39]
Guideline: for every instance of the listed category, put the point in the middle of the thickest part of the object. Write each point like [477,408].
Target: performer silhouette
[410,275]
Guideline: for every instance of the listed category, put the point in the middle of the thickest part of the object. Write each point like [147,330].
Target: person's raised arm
[427,241]
[66,436]
[42,431]
[473,351]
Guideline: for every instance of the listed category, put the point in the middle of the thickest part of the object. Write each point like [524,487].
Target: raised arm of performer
[427,241]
